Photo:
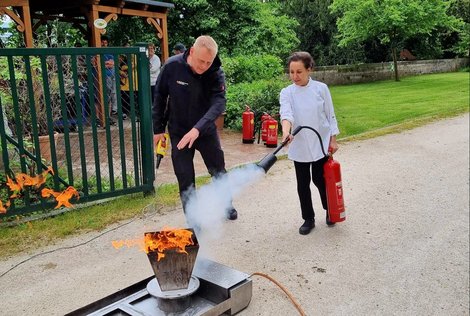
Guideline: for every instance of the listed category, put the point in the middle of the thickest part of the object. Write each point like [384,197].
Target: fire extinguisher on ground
[271,134]
[248,126]
[334,190]
[264,129]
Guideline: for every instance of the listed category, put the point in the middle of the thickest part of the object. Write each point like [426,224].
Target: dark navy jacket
[193,100]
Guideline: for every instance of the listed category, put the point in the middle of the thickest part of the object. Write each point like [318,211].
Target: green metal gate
[56,111]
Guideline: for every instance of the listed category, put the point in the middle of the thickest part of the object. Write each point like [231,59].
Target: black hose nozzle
[269,160]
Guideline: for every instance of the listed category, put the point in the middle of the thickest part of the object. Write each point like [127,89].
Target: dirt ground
[403,249]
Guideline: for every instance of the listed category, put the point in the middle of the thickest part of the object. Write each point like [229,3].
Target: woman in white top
[308,103]
[155,65]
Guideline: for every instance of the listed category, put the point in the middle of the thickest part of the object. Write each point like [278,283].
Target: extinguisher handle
[330,152]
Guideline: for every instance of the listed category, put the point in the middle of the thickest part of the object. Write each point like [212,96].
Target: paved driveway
[403,250]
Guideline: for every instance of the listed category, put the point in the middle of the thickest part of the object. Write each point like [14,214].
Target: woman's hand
[287,138]
[333,145]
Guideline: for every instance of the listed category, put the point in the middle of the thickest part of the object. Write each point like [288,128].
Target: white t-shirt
[154,69]
[309,105]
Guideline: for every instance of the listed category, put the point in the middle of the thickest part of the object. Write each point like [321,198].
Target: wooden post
[101,110]
[28,32]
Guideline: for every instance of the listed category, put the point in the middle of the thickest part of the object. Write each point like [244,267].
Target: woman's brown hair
[304,57]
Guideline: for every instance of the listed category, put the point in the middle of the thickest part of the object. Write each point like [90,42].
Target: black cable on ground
[74,246]
[296,304]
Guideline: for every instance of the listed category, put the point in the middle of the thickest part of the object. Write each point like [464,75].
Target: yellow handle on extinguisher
[162,147]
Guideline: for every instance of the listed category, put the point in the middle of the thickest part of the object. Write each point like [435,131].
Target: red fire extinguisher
[264,129]
[248,126]
[334,190]
[271,135]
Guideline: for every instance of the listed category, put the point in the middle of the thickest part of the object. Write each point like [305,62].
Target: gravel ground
[403,249]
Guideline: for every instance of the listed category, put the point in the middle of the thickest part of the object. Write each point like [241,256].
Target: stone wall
[347,74]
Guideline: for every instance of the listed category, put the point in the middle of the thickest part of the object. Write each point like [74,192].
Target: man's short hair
[207,42]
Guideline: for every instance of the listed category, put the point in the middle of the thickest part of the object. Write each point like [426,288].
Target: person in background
[179,49]
[125,74]
[155,65]
[308,103]
[110,81]
[193,83]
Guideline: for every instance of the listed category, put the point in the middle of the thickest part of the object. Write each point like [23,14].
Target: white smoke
[207,207]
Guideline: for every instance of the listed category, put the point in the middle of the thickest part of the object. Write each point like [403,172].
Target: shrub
[261,96]
[251,68]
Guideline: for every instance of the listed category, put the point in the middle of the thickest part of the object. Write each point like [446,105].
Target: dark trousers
[212,154]
[306,172]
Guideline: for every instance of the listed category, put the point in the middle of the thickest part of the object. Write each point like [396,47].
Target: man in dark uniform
[190,96]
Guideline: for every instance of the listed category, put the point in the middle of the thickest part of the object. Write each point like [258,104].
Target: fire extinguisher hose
[296,304]
[297,130]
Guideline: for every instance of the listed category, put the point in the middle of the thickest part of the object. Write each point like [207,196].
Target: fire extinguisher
[271,134]
[334,190]
[264,129]
[331,173]
[248,126]
[162,147]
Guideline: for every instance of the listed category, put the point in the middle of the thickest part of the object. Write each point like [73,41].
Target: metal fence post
[148,170]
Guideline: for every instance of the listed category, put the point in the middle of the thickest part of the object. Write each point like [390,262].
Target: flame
[23,180]
[14,186]
[64,197]
[168,238]
[3,208]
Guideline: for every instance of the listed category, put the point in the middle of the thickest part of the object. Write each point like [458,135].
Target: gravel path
[403,249]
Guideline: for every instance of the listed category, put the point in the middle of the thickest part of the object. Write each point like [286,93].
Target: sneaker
[306,227]
[232,214]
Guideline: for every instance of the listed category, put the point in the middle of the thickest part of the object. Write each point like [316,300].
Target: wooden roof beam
[125,11]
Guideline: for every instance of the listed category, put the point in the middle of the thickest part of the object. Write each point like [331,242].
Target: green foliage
[250,68]
[239,26]
[131,30]
[461,10]
[261,96]
[391,22]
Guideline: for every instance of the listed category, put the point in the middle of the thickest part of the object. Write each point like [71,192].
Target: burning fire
[22,181]
[168,238]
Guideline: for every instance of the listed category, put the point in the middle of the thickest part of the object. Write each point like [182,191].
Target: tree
[390,21]
[239,26]
[316,28]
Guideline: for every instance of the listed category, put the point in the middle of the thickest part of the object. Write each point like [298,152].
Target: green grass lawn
[363,110]
[366,107]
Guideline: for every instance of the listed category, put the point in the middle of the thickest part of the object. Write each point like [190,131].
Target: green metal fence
[57,111]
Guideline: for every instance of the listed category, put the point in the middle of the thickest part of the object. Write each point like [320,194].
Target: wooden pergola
[30,14]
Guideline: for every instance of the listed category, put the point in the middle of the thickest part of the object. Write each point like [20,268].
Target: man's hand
[157,138]
[189,138]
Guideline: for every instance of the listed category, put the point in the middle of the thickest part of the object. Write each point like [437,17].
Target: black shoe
[114,114]
[306,227]
[232,214]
